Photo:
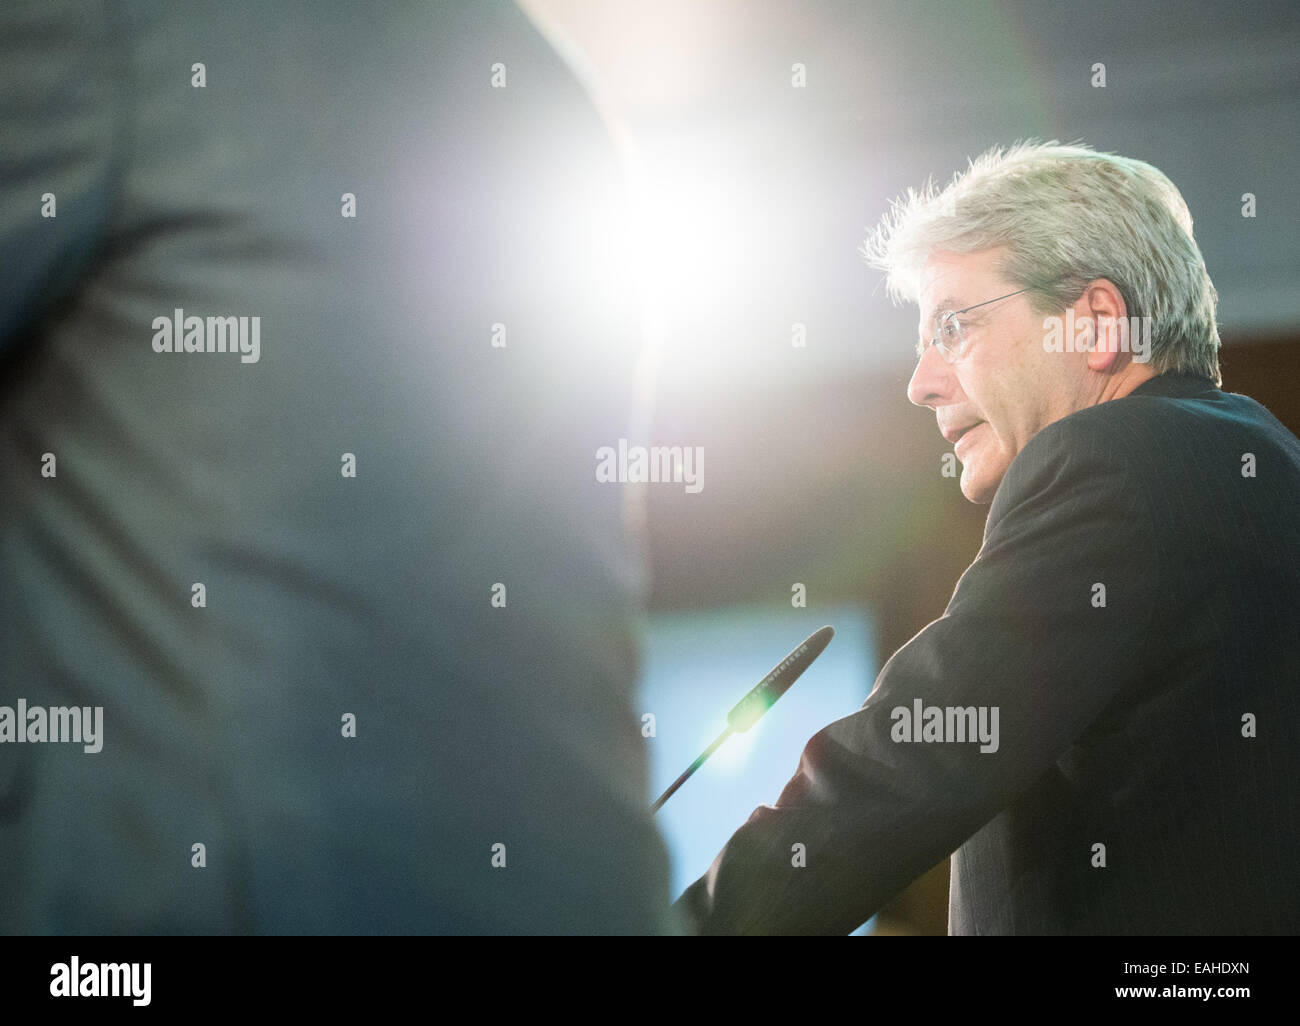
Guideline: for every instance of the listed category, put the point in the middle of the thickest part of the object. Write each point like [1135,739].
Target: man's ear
[1103,306]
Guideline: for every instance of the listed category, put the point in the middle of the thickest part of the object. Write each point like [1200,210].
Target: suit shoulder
[1088,442]
[1138,428]
[1157,444]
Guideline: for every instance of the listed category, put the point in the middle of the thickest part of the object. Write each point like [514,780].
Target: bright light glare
[734,753]
[692,243]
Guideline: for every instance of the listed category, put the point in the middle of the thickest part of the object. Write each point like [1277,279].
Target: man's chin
[976,487]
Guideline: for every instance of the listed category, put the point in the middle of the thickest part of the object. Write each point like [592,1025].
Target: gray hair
[1068,215]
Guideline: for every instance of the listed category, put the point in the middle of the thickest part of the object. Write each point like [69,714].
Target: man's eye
[949,331]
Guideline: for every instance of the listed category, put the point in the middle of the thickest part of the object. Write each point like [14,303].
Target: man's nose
[932,380]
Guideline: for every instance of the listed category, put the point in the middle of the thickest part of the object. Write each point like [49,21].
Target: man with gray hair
[1128,620]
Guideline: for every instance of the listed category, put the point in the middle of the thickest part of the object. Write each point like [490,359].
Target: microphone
[762,696]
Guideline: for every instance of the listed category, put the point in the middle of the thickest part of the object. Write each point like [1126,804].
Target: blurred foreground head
[356,611]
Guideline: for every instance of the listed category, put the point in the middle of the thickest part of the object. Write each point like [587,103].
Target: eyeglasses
[950,335]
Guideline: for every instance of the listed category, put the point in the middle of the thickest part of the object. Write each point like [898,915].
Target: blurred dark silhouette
[324,594]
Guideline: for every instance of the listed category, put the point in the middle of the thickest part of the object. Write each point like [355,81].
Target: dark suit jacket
[1122,714]
[477,724]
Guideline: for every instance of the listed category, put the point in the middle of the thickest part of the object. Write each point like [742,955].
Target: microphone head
[764,694]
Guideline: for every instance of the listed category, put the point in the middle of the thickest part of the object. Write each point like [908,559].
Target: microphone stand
[761,697]
[691,769]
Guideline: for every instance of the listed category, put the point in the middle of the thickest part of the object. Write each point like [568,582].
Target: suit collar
[1173,383]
